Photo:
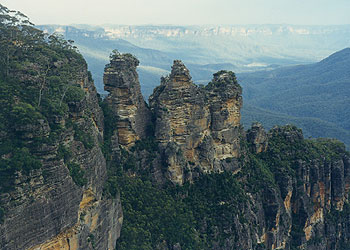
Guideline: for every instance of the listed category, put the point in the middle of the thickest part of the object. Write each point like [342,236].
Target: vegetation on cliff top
[40,77]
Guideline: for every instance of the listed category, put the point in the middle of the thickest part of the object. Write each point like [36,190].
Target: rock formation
[125,98]
[196,127]
[257,137]
[198,132]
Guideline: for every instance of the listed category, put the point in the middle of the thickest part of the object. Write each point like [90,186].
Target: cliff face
[196,127]
[47,209]
[314,186]
[52,170]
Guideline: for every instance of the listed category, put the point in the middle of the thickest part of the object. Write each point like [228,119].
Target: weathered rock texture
[125,99]
[196,127]
[47,209]
[305,210]
[257,137]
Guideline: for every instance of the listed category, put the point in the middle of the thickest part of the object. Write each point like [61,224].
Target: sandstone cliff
[47,210]
[52,168]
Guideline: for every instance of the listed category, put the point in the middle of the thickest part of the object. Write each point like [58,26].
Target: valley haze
[244,49]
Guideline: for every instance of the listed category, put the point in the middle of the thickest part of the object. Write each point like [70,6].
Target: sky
[184,12]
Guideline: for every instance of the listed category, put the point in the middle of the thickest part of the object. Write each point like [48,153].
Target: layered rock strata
[257,136]
[312,192]
[125,99]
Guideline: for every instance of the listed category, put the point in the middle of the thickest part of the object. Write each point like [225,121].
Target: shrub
[2,215]
[84,137]
[77,174]
[63,153]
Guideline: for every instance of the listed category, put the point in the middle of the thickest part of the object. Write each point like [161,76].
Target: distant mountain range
[204,49]
[313,96]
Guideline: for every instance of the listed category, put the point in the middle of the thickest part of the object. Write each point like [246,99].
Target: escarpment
[313,181]
[60,205]
[52,170]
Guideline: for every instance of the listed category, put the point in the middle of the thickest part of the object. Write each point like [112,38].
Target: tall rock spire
[125,98]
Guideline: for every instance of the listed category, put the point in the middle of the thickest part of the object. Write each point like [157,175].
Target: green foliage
[39,75]
[2,215]
[221,82]
[114,54]
[214,200]
[74,94]
[16,159]
[84,137]
[91,239]
[259,174]
[149,144]
[24,114]
[110,123]
[64,153]
[77,174]
[152,216]
[43,69]
[189,215]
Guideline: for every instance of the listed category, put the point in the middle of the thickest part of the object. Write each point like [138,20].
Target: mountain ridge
[318,90]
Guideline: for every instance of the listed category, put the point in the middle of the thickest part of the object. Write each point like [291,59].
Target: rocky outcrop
[257,137]
[125,98]
[196,127]
[314,188]
[293,187]
[225,102]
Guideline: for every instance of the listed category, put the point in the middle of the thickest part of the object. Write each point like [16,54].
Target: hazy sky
[184,12]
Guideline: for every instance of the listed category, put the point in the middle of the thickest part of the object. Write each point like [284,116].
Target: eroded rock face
[225,102]
[315,193]
[47,209]
[125,99]
[257,137]
[202,123]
